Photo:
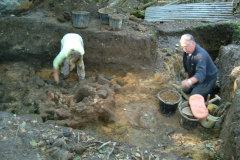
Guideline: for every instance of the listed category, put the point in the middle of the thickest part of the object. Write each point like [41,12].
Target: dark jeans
[203,89]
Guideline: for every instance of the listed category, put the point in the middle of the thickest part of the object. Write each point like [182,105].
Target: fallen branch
[90,145]
[124,3]
[132,11]
[142,155]
[147,5]
[114,144]
[17,132]
[168,133]
[104,144]
[115,3]
[92,142]
[135,157]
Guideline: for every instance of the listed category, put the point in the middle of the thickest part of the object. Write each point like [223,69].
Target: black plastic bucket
[185,121]
[80,19]
[167,108]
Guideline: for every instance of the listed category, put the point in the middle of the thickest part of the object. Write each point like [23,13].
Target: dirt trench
[125,70]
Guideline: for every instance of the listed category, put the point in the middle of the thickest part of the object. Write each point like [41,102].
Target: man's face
[187,46]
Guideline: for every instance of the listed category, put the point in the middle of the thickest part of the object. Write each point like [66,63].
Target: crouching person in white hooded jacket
[72,51]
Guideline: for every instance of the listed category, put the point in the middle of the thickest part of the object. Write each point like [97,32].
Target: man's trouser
[203,89]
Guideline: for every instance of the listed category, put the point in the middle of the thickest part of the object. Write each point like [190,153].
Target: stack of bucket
[109,16]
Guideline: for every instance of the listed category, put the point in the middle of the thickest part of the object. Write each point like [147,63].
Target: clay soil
[130,128]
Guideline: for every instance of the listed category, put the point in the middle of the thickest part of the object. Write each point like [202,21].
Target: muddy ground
[125,70]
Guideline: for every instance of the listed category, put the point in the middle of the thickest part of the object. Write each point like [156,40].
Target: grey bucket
[104,13]
[185,121]
[117,21]
[80,19]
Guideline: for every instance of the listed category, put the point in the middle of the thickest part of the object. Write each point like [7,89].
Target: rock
[79,148]
[61,18]
[102,80]
[141,28]
[39,81]
[64,91]
[66,134]
[117,88]
[48,81]
[165,50]
[133,18]
[36,80]
[61,143]
[102,94]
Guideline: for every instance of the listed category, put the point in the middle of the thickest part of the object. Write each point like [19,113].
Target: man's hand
[56,75]
[185,84]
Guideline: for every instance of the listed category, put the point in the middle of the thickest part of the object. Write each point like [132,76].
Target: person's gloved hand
[185,84]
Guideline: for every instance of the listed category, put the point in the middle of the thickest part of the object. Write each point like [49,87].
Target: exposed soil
[169,96]
[114,112]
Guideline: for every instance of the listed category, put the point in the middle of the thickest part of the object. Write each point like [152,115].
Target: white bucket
[209,121]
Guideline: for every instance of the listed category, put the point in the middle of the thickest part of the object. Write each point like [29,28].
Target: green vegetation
[154,33]
[236,36]
[202,26]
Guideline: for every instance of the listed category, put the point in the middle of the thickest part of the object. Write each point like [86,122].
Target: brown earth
[125,70]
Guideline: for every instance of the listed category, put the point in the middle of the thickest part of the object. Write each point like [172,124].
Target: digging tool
[208,97]
[185,96]
[218,109]
[227,105]
[215,99]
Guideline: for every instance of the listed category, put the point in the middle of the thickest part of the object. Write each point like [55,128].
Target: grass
[154,33]
[202,26]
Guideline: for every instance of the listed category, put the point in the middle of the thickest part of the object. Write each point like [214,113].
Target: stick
[92,141]
[228,104]
[185,96]
[216,110]
[114,144]
[168,133]
[90,145]
[142,155]
[17,132]
[147,5]
[135,157]
[104,144]
[208,97]
[78,137]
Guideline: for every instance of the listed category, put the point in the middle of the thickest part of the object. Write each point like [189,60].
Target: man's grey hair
[188,37]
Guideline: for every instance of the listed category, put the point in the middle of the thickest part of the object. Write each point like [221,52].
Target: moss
[154,33]
[236,34]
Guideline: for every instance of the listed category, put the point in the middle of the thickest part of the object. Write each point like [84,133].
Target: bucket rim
[180,110]
[76,12]
[123,17]
[213,118]
[100,10]
[180,97]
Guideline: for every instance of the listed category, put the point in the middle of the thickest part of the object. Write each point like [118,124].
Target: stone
[102,94]
[165,50]
[117,88]
[79,148]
